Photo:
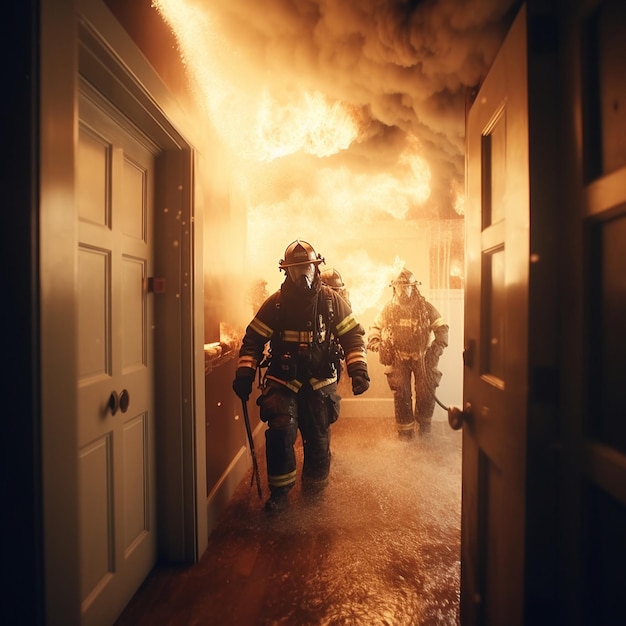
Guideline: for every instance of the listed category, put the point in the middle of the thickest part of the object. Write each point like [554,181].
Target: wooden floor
[381,546]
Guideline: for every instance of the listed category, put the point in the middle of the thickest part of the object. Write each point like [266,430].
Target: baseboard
[378,407]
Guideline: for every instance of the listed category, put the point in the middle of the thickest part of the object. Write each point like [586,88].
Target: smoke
[338,115]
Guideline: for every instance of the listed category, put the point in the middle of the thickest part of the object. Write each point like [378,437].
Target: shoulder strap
[278,317]
[327,293]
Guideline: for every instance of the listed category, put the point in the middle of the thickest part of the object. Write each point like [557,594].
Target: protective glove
[373,345]
[432,354]
[242,385]
[360,383]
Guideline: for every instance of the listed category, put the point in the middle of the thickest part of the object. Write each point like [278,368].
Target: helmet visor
[302,275]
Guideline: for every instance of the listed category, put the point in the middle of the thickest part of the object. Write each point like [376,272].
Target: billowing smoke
[339,116]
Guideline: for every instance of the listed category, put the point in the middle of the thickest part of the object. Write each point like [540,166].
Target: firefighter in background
[332,278]
[410,336]
[299,388]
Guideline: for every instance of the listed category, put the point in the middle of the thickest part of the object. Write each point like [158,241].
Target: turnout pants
[406,377]
[285,412]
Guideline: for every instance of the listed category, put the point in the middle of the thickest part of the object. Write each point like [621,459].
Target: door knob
[456,416]
[114,402]
[124,400]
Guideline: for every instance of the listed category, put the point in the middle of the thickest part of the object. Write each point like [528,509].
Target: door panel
[495,380]
[115,171]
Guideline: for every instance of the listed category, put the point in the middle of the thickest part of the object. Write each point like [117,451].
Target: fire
[341,203]
[300,163]
[230,338]
[248,118]
[458,193]
[366,196]
[367,281]
[260,126]
[459,204]
[311,124]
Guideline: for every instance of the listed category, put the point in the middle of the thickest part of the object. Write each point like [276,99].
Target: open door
[512,437]
[496,331]
[544,502]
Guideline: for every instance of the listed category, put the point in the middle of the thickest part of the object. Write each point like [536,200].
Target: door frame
[81,41]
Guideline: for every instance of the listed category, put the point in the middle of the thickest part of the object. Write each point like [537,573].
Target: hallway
[381,546]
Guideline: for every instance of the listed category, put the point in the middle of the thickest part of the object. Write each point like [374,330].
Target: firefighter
[299,387]
[332,278]
[410,335]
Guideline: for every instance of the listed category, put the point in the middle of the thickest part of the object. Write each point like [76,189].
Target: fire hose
[440,403]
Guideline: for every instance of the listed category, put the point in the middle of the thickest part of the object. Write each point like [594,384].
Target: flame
[458,192]
[311,124]
[248,118]
[260,126]
[339,197]
[365,196]
[459,204]
[296,170]
[368,280]
[230,338]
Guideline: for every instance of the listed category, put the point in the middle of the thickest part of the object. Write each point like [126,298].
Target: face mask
[404,293]
[302,275]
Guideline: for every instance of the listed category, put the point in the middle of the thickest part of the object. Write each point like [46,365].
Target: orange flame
[368,281]
[290,178]
[247,117]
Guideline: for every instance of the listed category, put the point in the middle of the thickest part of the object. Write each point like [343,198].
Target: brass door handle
[119,402]
[456,416]
[114,402]
[124,400]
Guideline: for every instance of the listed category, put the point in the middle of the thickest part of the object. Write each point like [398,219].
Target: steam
[338,114]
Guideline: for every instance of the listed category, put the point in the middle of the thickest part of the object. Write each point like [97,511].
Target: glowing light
[230,338]
[459,204]
[368,280]
[363,196]
[456,269]
[310,124]
[289,166]
[247,117]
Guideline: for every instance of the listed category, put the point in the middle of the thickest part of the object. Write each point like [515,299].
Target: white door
[115,181]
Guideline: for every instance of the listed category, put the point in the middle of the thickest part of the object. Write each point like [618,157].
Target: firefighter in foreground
[299,388]
[410,335]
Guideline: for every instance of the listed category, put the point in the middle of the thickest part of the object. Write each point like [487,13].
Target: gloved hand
[432,354]
[373,345]
[360,383]
[242,385]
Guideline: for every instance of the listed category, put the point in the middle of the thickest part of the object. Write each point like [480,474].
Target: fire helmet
[332,278]
[405,277]
[299,252]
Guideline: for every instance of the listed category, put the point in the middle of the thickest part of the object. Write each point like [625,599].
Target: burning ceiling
[348,110]
[367,87]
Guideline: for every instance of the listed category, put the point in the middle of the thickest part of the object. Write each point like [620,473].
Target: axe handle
[255,465]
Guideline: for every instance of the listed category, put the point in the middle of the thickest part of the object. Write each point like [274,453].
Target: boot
[425,428]
[277,502]
[312,487]
[406,431]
